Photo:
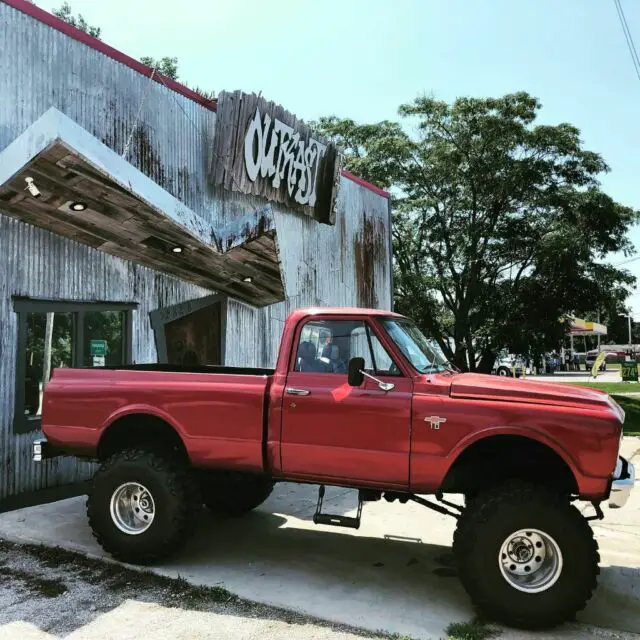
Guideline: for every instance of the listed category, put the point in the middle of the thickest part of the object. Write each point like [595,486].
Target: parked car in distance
[358,399]
[506,363]
[591,357]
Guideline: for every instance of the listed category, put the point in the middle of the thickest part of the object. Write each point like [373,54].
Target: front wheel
[504,372]
[526,556]
[142,505]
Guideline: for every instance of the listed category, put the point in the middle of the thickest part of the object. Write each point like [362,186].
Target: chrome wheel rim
[530,560]
[132,508]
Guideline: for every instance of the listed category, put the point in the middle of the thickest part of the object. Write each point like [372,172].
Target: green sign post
[629,371]
[98,348]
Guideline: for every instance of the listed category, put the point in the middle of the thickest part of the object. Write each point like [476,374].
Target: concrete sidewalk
[394,574]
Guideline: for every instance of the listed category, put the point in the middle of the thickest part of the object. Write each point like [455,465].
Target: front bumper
[624,478]
[42,449]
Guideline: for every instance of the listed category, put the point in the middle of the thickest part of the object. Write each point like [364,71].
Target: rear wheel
[142,505]
[504,371]
[526,556]
[235,494]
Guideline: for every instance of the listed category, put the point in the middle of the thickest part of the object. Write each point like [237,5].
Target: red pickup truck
[359,398]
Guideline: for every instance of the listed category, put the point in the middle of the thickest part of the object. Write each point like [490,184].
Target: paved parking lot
[395,573]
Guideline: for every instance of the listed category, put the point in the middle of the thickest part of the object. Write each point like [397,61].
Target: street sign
[98,348]
[629,371]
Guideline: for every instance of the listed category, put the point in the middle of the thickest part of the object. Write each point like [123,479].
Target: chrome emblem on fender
[435,421]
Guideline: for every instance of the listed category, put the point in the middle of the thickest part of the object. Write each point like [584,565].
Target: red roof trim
[71,31]
[366,185]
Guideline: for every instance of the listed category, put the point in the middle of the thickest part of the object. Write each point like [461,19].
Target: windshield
[424,354]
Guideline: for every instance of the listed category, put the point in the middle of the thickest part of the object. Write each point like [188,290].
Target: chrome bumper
[624,478]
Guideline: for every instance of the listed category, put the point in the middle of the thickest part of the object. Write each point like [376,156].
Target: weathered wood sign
[263,150]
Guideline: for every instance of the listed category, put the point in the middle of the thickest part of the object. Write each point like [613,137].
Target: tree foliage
[500,226]
[65,13]
[167,66]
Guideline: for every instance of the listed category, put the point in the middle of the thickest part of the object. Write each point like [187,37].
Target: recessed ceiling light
[77,206]
[247,279]
[177,249]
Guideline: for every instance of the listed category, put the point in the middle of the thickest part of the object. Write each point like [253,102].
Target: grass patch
[36,585]
[608,387]
[117,578]
[631,406]
[474,630]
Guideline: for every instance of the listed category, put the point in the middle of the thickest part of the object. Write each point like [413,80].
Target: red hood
[473,385]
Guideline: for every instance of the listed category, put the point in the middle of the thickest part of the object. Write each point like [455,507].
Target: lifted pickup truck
[359,398]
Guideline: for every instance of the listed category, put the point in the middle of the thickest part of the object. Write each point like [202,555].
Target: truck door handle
[298,392]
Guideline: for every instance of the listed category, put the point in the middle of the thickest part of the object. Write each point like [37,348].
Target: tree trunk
[48,341]
[46,364]
[486,362]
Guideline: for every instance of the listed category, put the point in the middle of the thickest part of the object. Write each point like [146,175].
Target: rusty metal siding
[344,265]
[41,67]
[243,335]
[42,265]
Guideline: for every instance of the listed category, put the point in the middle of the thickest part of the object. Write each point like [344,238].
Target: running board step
[336,520]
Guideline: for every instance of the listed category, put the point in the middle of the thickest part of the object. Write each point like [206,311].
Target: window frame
[369,327]
[23,306]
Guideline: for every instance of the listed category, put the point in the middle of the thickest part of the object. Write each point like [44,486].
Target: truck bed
[219,412]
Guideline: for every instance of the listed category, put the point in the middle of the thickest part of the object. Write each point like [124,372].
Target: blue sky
[362,58]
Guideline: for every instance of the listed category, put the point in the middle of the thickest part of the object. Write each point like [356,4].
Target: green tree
[166,66]
[64,13]
[499,223]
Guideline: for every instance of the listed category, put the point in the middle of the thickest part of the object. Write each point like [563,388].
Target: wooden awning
[90,194]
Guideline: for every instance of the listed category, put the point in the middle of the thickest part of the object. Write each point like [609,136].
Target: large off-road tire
[526,556]
[234,494]
[142,505]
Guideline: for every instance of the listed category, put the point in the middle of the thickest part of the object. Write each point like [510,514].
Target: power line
[619,264]
[628,37]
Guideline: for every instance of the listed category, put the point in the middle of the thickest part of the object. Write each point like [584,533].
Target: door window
[326,346]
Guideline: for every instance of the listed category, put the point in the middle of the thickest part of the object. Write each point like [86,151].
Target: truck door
[335,432]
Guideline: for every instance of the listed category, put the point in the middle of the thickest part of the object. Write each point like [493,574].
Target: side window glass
[384,365]
[360,347]
[324,347]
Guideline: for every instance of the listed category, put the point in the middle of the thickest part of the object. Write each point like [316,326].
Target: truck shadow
[387,582]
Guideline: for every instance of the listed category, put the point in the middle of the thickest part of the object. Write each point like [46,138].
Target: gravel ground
[53,593]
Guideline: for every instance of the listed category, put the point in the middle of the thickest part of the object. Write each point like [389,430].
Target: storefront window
[60,334]
[104,333]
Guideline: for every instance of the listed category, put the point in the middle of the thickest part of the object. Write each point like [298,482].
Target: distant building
[140,221]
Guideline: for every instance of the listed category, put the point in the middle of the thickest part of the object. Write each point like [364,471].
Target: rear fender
[142,409]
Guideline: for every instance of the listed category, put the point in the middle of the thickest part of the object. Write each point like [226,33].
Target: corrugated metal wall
[324,265]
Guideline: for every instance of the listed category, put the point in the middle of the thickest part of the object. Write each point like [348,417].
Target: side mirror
[356,377]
